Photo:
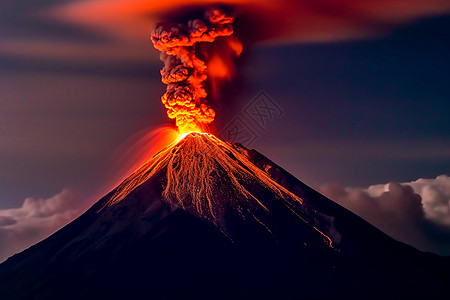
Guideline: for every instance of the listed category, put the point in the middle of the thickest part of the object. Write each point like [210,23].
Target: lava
[197,165]
[185,134]
[185,66]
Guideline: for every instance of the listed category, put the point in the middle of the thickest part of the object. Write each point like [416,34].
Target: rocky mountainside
[205,219]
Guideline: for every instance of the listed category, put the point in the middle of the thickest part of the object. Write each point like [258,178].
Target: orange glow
[221,66]
[280,21]
[185,70]
[134,153]
[183,135]
[236,46]
[218,68]
[194,166]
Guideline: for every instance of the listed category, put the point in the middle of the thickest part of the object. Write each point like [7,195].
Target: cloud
[31,39]
[35,220]
[417,212]
[282,20]
[435,195]
[118,31]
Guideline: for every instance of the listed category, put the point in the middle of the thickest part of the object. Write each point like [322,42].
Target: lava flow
[196,166]
[185,69]
[190,164]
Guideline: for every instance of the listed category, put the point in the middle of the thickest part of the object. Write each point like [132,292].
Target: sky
[360,93]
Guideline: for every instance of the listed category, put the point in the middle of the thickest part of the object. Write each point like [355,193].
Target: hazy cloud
[417,212]
[31,39]
[5,221]
[282,20]
[118,31]
[35,220]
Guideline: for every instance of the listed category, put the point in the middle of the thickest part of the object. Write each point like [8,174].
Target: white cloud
[435,194]
[34,221]
[417,212]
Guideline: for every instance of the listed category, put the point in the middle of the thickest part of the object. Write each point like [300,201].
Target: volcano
[206,219]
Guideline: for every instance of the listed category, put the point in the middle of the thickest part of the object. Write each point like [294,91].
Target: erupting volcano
[198,165]
[207,219]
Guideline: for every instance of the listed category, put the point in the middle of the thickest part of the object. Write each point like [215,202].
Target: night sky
[361,107]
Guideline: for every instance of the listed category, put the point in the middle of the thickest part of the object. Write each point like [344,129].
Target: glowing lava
[197,166]
[185,134]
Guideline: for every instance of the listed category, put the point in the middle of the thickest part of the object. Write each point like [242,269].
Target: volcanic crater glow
[183,135]
[195,167]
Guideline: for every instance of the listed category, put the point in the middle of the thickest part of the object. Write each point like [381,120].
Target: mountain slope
[208,220]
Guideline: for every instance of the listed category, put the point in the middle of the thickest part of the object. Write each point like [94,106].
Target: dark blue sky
[360,112]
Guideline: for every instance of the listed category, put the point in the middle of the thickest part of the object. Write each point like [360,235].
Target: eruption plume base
[185,66]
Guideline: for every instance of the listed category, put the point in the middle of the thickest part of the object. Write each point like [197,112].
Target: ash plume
[184,69]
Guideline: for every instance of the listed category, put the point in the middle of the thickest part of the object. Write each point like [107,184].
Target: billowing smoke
[184,69]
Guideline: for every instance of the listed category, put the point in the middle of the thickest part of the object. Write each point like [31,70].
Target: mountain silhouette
[206,219]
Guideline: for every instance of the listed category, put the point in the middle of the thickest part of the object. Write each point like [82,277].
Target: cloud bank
[35,220]
[417,212]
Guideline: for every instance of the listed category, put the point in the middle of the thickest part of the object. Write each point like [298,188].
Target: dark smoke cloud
[185,67]
[417,212]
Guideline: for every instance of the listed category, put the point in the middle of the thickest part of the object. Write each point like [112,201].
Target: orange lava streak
[195,167]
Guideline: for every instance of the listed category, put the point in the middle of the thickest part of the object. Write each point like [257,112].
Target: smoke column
[184,70]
